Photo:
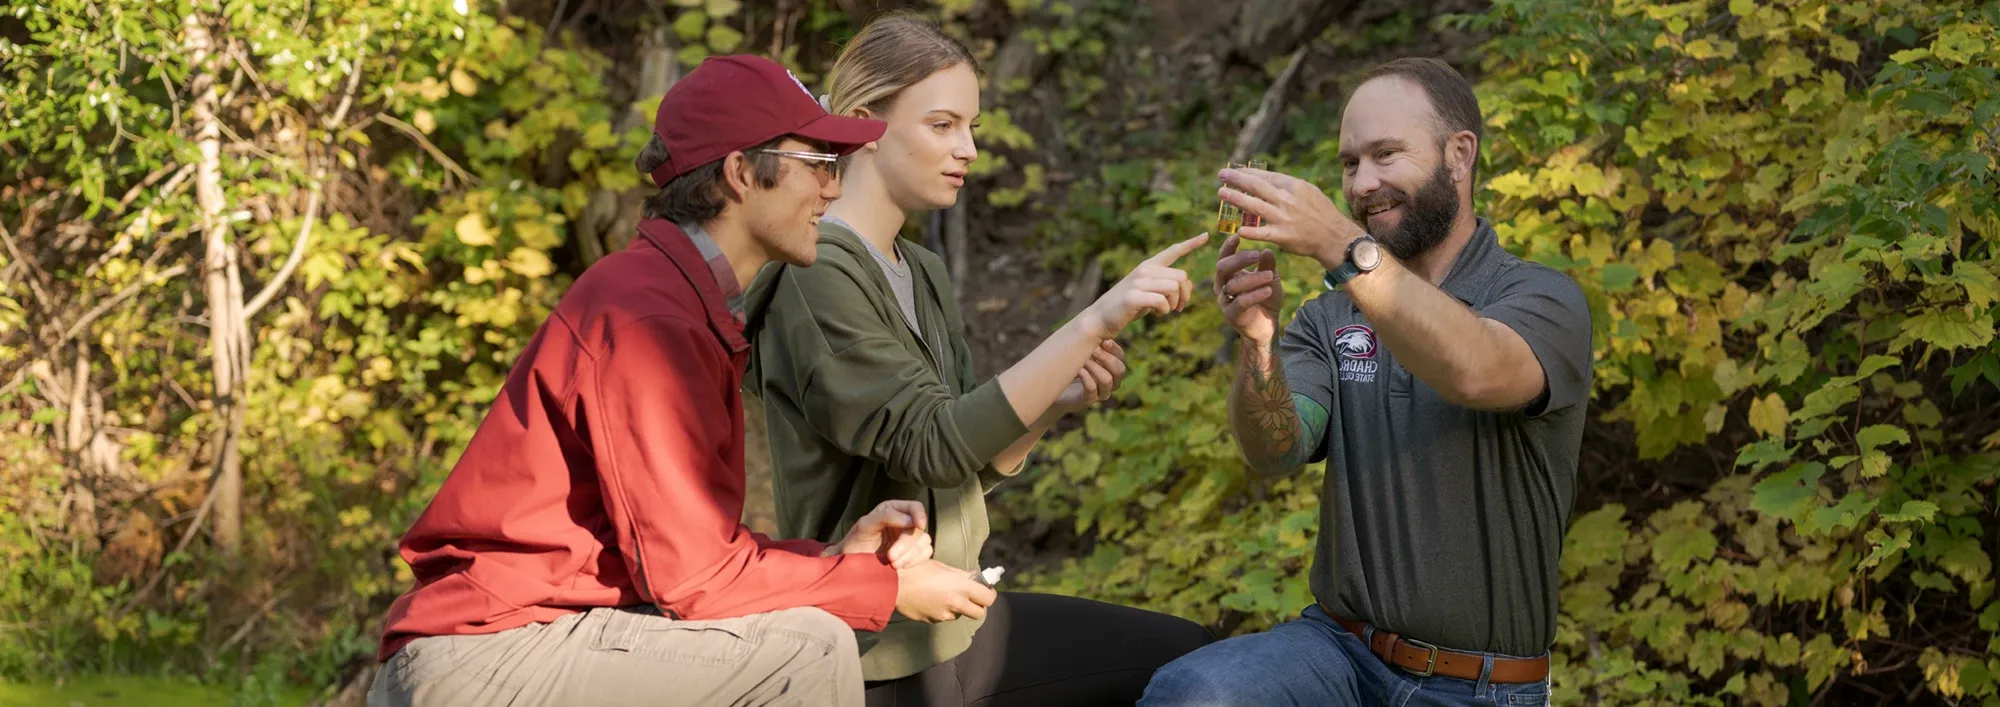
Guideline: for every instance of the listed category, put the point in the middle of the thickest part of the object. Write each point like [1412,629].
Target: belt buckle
[1430,666]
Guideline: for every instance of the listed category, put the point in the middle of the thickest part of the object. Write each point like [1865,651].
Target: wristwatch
[1364,254]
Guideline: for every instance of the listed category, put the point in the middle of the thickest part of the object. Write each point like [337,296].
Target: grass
[105,690]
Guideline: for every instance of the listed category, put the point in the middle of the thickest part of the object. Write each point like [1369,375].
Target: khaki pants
[633,655]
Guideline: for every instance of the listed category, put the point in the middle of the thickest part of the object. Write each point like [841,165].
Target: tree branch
[34,269]
[425,143]
[207,502]
[271,288]
[291,261]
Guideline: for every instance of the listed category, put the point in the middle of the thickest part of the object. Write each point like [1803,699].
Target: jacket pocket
[642,631]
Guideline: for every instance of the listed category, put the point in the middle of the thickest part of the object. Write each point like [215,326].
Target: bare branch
[133,193]
[207,502]
[425,143]
[244,630]
[243,62]
[347,96]
[20,376]
[291,261]
[34,270]
[277,282]
[173,99]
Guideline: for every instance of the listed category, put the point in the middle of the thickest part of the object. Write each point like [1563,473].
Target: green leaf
[48,416]
[1596,539]
[1780,494]
[1884,545]
[1514,184]
[1872,364]
[1674,549]
[723,8]
[1852,508]
[1618,277]
[1981,287]
[1874,464]
[1911,56]
[691,24]
[1912,511]
[1874,436]
[1931,580]
[723,39]
[1826,400]
[1966,560]
[1762,453]
[1958,46]
[1947,328]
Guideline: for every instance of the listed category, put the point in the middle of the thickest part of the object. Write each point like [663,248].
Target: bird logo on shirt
[1354,342]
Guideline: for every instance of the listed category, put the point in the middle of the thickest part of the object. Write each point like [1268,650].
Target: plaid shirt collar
[718,265]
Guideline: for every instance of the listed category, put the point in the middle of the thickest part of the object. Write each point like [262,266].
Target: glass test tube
[1228,218]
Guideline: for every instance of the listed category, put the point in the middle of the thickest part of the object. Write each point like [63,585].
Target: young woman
[866,379]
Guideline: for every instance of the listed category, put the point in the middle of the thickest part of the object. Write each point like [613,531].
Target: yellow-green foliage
[1785,217]
[423,280]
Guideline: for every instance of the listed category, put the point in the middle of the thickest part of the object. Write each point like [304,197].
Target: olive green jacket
[860,410]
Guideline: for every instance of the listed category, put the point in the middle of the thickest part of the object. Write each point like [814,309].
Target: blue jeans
[1313,661]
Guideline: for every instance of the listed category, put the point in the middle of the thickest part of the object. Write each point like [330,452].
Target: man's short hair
[1450,95]
[697,196]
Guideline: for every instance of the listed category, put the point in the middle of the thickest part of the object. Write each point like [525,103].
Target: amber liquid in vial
[1253,220]
[1227,219]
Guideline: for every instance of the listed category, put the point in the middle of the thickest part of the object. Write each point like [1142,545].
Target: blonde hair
[892,53]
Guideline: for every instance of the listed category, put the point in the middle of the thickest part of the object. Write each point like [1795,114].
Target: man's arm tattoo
[1282,428]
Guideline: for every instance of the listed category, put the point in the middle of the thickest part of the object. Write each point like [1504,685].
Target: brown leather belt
[1424,659]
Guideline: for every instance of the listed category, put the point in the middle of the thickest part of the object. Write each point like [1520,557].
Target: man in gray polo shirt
[1444,382]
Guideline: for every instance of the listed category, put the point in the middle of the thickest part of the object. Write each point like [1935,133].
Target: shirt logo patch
[1354,347]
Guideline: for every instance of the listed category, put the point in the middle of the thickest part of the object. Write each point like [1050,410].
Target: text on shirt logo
[1354,349]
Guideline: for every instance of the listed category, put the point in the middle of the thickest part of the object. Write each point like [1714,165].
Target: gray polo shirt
[1440,522]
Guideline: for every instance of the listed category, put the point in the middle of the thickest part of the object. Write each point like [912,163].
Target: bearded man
[1444,382]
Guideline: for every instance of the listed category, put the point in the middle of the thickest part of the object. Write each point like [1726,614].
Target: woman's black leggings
[1048,650]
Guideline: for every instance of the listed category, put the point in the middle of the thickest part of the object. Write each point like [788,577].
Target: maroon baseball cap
[731,103]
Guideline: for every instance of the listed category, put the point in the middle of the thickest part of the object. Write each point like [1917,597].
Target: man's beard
[1426,219]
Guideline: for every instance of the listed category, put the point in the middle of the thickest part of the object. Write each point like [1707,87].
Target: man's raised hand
[1154,286]
[1250,299]
[1297,216]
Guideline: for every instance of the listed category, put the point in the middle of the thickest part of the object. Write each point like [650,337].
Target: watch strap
[1347,270]
[1340,275]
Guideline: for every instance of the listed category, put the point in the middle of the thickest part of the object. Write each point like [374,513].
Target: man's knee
[814,625]
[817,661]
[1194,679]
[1287,665]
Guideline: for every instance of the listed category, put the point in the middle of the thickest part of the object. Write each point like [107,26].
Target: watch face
[1367,255]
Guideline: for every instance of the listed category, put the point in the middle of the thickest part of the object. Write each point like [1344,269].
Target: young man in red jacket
[588,547]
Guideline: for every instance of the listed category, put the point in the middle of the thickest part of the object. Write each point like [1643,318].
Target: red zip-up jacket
[609,472]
